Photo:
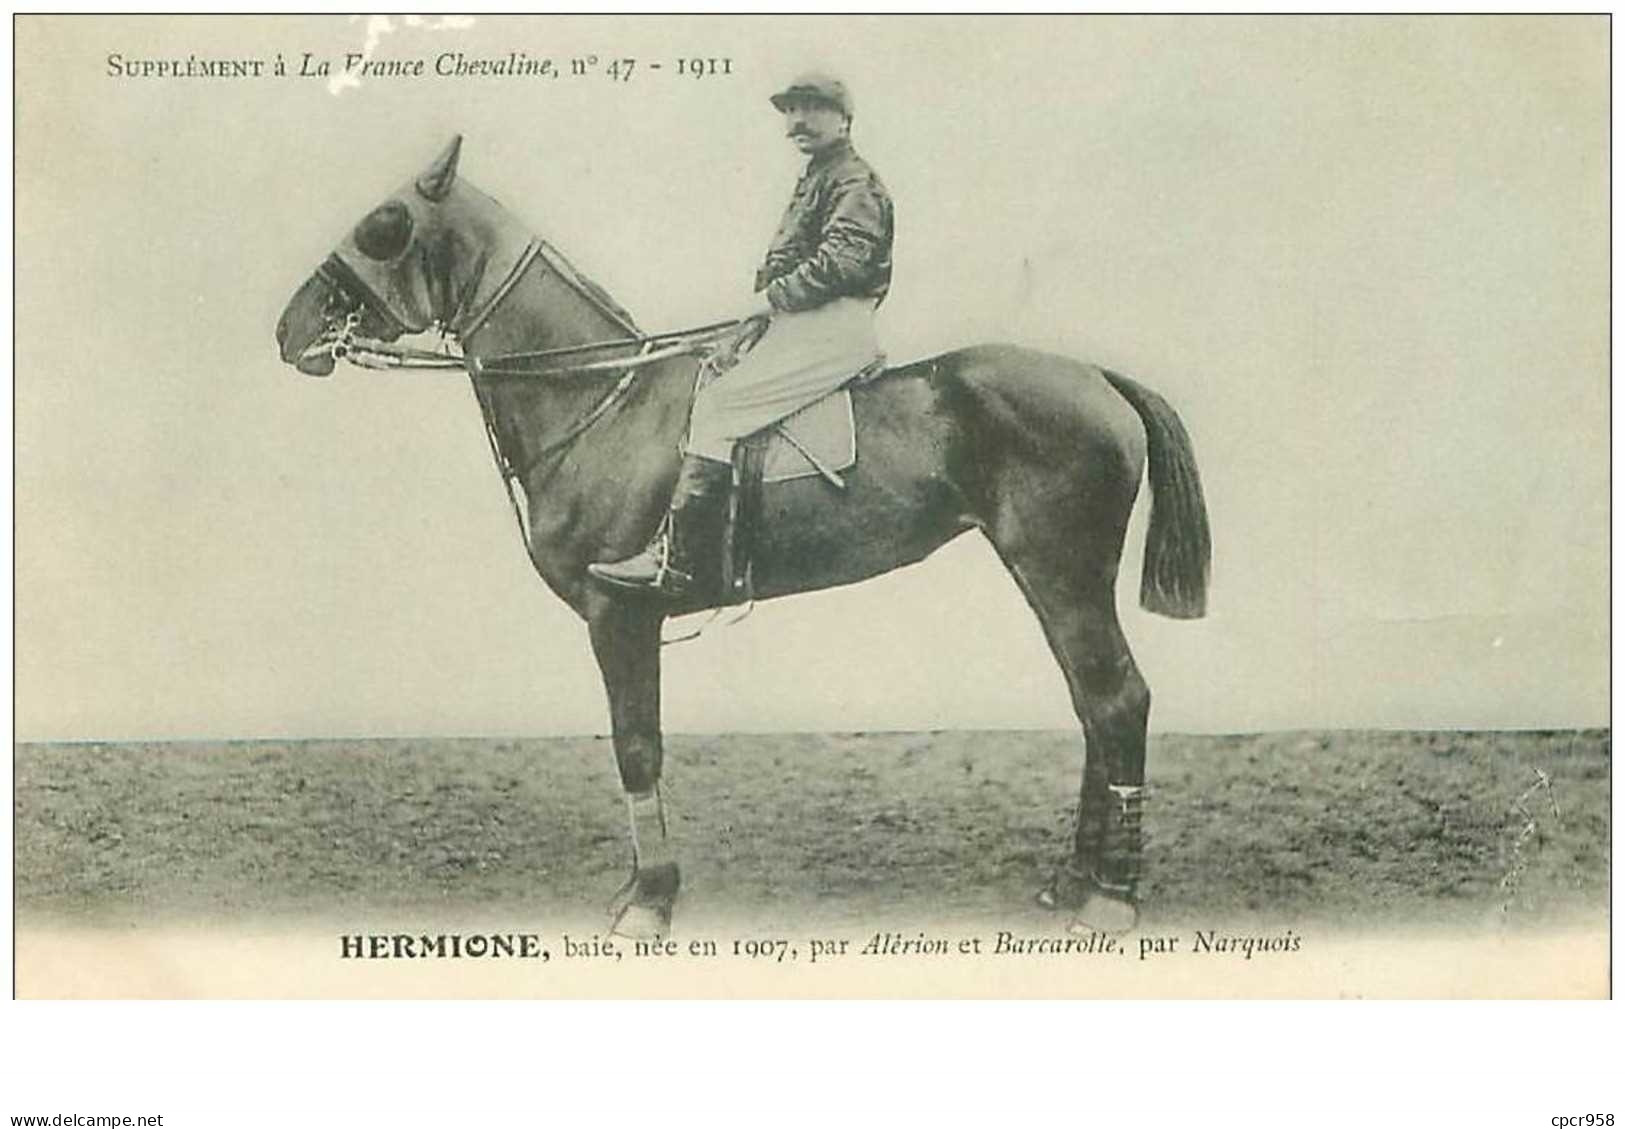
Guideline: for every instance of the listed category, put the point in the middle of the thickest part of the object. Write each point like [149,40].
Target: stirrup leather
[666,576]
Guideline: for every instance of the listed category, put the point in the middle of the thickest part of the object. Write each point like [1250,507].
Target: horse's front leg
[626,640]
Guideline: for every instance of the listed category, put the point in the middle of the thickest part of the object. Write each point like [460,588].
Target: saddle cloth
[819,439]
[823,430]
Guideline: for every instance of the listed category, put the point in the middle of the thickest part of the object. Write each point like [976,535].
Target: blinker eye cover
[385,232]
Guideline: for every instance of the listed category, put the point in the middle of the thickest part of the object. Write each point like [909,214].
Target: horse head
[434,254]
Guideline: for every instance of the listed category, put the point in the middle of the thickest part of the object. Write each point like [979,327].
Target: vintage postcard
[728,506]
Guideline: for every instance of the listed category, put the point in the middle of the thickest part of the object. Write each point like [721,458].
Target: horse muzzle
[316,359]
[305,333]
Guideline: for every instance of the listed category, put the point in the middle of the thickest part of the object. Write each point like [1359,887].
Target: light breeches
[802,357]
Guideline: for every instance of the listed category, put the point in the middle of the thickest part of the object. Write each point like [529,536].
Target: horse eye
[385,232]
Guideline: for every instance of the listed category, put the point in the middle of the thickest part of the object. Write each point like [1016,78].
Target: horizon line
[881,732]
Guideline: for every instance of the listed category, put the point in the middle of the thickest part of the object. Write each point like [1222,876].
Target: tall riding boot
[690,542]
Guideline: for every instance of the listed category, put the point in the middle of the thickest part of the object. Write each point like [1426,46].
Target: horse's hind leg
[1064,557]
[1107,844]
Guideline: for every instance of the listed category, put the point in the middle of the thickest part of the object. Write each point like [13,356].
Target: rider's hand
[751,326]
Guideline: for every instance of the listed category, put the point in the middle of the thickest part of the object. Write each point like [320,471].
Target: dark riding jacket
[836,236]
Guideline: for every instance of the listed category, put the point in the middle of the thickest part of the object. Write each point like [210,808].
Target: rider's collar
[835,150]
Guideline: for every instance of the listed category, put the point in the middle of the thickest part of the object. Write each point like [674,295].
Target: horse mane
[588,286]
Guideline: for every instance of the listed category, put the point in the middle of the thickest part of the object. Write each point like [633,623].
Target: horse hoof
[642,923]
[641,910]
[1067,889]
[1104,913]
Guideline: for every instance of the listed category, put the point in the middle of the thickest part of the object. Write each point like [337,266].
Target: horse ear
[435,183]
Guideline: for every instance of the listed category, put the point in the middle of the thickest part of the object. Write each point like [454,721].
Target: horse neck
[544,310]
[528,413]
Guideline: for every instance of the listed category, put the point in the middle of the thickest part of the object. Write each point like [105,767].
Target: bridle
[347,344]
[369,353]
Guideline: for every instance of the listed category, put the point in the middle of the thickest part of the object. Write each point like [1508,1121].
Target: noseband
[346,344]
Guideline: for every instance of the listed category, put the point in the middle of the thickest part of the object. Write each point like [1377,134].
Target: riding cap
[820,87]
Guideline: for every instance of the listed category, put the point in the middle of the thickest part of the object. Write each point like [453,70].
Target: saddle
[820,440]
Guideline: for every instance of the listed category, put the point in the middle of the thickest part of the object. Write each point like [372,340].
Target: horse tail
[1178,547]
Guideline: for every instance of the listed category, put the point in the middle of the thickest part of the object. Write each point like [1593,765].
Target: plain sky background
[1366,258]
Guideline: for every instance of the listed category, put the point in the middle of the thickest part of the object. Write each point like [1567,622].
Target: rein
[369,353]
[373,354]
[686,340]
[382,355]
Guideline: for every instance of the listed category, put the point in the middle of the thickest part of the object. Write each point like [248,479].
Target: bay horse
[1040,453]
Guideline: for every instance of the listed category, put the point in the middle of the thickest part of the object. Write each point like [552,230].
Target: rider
[826,271]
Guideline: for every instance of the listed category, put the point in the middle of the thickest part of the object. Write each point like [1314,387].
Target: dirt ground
[1338,828]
